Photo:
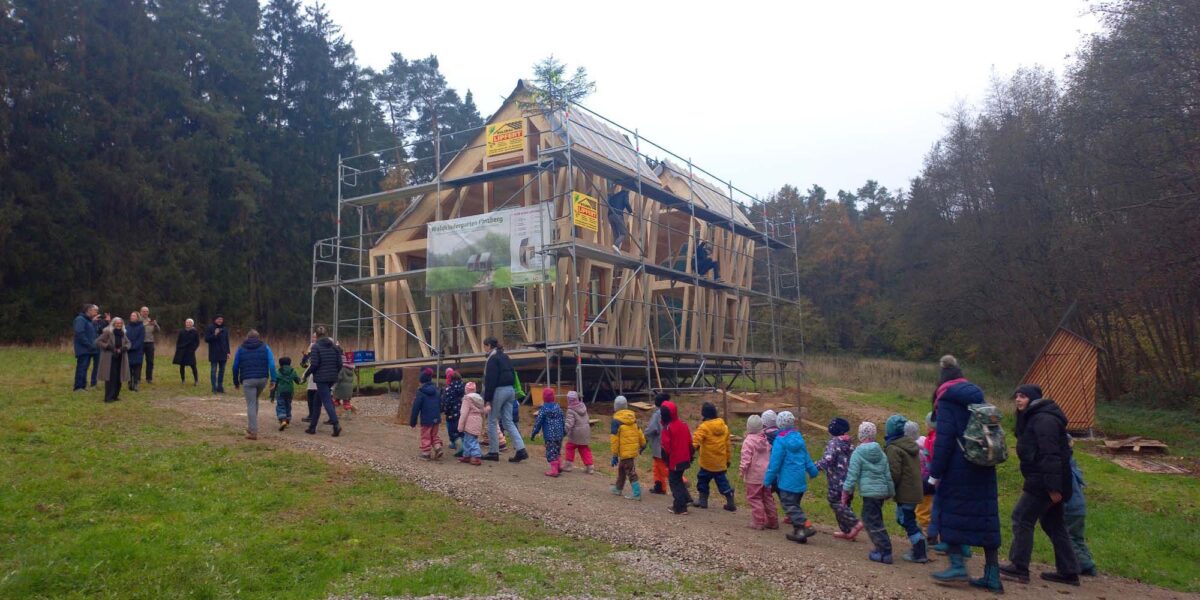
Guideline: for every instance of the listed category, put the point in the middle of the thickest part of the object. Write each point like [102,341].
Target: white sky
[760,93]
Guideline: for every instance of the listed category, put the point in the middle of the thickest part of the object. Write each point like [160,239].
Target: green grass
[1175,427]
[125,501]
[1132,517]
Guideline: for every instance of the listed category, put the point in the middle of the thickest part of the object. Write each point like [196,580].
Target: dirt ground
[580,505]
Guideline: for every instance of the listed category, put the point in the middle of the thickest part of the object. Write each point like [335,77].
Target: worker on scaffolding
[618,205]
[703,261]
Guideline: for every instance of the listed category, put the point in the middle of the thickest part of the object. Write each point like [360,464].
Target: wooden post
[724,405]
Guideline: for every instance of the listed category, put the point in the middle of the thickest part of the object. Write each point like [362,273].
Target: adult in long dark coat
[114,359]
[185,350]
[217,336]
[1045,453]
[968,509]
[135,330]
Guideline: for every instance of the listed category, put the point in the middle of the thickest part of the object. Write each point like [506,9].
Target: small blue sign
[364,356]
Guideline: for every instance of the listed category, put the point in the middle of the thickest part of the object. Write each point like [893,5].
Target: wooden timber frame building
[631,322]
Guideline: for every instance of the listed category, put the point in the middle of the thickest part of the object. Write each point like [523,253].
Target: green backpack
[982,442]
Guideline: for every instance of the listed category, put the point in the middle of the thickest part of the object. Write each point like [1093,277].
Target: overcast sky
[760,93]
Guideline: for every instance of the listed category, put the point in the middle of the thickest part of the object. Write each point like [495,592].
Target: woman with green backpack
[966,496]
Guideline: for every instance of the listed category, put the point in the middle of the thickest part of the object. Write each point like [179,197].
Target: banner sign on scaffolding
[499,249]
[587,213]
[505,136]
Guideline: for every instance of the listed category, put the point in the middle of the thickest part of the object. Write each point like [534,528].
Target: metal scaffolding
[597,155]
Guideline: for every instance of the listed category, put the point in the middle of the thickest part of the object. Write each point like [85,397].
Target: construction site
[602,261]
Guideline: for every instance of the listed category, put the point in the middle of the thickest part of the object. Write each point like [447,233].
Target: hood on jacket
[963,393]
[476,400]
[325,342]
[578,408]
[907,444]
[429,388]
[573,399]
[790,439]
[625,417]
[551,407]
[252,343]
[716,425]
[669,412]
[871,452]
[1040,406]
[894,427]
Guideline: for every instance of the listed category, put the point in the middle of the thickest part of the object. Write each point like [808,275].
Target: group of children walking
[774,461]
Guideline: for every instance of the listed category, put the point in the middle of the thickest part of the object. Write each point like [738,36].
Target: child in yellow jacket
[627,441]
[711,440]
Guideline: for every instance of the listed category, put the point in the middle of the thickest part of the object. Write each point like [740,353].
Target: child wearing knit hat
[579,434]
[905,465]
[551,423]
[836,463]
[756,457]
[427,410]
[627,442]
[770,428]
[471,415]
[870,473]
[789,471]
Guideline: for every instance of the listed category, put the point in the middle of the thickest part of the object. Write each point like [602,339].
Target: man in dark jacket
[217,337]
[618,205]
[498,392]
[85,344]
[135,330]
[99,323]
[324,364]
[1045,453]
[704,262]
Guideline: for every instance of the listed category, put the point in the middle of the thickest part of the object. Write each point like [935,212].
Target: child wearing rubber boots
[627,442]
[789,471]
[550,422]
[904,462]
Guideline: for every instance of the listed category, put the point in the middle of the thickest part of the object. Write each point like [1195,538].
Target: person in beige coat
[113,344]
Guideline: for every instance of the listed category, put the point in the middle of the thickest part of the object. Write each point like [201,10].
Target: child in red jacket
[677,452]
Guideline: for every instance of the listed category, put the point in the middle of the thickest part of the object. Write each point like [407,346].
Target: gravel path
[580,505]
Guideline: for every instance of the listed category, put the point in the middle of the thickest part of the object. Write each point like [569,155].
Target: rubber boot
[957,571]
[729,505]
[616,491]
[918,554]
[797,536]
[990,580]
[554,469]
[636,488]
[702,502]
[857,529]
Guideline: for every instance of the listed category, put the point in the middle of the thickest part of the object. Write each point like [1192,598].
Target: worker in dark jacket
[324,364]
[253,366]
[217,337]
[1045,453]
[85,343]
[618,205]
[499,393]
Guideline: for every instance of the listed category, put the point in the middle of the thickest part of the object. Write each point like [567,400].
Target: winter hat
[950,369]
[839,426]
[867,431]
[785,420]
[893,428]
[769,419]
[912,430]
[426,375]
[470,387]
[754,424]
[449,375]
[661,397]
[620,403]
[708,411]
[548,396]
[573,398]
[1030,390]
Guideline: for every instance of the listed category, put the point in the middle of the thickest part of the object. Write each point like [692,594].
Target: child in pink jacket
[470,422]
[756,456]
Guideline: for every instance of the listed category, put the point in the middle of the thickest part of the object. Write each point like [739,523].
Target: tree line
[1082,189]
[182,154]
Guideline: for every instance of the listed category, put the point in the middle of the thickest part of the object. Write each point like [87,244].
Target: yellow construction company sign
[505,136]
[587,211]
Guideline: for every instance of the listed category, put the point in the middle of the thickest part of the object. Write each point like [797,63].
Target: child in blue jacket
[790,463]
[552,423]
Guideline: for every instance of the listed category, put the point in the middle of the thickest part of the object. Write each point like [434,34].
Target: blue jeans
[471,447]
[501,416]
[283,406]
[705,476]
[906,516]
[81,366]
[95,367]
[216,373]
[324,398]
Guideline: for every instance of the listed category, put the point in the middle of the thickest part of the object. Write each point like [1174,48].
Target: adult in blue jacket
[968,511]
[789,471]
[135,330]
[85,343]
[253,368]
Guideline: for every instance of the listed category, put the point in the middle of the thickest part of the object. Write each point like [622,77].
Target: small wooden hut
[1066,371]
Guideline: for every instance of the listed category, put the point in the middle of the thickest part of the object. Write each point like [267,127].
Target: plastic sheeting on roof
[594,134]
[707,194]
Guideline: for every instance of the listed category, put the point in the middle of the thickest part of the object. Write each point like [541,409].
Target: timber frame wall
[626,322]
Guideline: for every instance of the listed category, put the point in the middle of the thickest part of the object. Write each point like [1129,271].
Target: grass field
[127,501]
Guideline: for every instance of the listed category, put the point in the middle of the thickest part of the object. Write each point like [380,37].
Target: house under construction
[572,309]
